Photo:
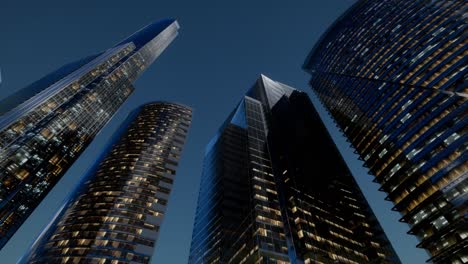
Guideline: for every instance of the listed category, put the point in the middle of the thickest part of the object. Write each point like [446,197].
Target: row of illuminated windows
[434,207]
[436,224]
[79,254]
[426,24]
[102,235]
[337,248]
[434,26]
[52,171]
[71,228]
[443,243]
[445,180]
[326,220]
[269,220]
[453,175]
[242,250]
[430,67]
[132,220]
[416,136]
[351,240]
[58,99]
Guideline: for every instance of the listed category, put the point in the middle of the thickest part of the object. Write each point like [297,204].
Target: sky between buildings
[222,48]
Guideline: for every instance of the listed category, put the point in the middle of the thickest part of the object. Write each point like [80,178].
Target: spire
[274,90]
[149,32]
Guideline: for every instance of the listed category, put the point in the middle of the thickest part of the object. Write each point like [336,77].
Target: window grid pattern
[249,213]
[43,136]
[266,220]
[116,215]
[392,74]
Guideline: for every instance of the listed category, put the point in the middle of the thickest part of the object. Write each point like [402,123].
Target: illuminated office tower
[238,216]
[47,125]
[274,189]
[393,76]
[115,214]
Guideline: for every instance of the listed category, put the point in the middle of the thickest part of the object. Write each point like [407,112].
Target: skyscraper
[393,76]
[274,189]
[115,215]
[45,126]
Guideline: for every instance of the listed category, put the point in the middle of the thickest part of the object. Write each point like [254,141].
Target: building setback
[393,76]
[115,214]
[47,125]
[274,189]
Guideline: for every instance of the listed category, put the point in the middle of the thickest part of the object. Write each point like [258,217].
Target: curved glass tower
[47,125]
[275,189]
[115,214]
[393,76]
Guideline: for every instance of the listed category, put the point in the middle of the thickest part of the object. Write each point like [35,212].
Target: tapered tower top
[147,33]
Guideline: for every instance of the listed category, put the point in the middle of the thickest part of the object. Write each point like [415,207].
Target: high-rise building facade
[393,76]
[47,125]
[115,214]
[275,189]
[238,216]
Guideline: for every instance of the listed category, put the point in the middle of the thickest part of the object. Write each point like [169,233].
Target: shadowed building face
[115,216]
[393,75]
[47,125]
[275,189]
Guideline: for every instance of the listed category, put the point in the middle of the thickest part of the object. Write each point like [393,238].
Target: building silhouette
[393,76]
[275,189]
[115,213]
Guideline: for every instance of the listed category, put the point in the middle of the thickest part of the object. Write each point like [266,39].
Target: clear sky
[222,48]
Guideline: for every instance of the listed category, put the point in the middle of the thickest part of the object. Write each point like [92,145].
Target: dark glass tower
[47,125]
[115,214]
[275,189]
[393,75]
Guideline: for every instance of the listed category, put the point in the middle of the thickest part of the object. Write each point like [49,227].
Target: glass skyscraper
[45,126]
[275,189]
[115,214]
[393,76]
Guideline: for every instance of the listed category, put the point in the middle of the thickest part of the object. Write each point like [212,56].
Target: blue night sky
[222,48]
